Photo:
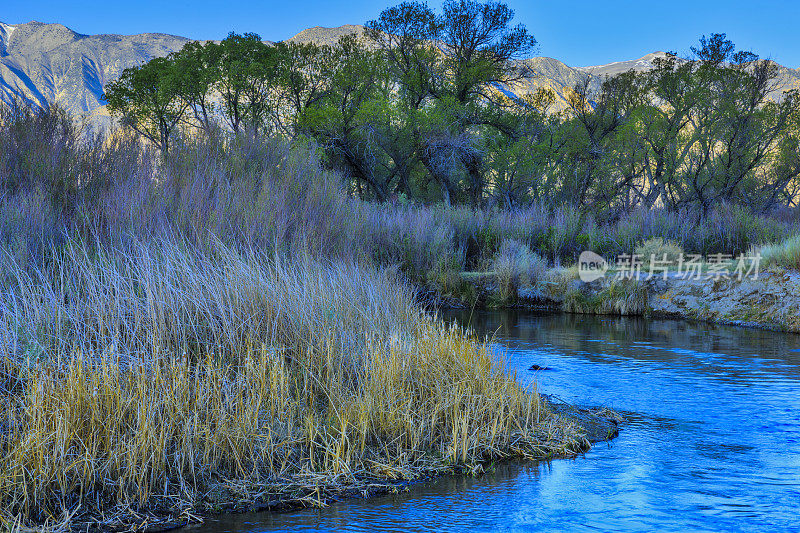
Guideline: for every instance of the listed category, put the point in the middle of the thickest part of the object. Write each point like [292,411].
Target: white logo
[591,267]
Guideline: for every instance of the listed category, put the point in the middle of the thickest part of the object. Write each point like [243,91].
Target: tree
[146,99]
[450,71]
[342,121]
[666,116]
[604,163]
[730,129]
[405,35]
[479,46]
[304,79]
[246,77]
[197,72]
[749,126]
[425,107]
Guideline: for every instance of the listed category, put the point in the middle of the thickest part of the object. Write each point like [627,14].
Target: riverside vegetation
[162,381]
[208,331]
[419,113]
[237,317]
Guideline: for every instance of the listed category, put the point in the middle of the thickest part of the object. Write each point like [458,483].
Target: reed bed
[153,381]
[58,182]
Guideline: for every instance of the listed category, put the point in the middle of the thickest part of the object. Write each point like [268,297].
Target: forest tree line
[422,107]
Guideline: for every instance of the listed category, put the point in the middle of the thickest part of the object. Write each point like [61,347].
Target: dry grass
[140,381]
[657,249]
[515,266]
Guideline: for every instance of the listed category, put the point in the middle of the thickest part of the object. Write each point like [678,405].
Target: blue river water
[712,441]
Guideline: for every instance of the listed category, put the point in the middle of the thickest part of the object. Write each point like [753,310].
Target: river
[712,441]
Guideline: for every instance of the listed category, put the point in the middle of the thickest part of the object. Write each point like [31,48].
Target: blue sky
[578,32]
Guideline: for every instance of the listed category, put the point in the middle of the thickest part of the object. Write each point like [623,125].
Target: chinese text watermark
[592,266]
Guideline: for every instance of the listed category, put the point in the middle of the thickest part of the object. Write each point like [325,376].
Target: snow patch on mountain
[5,34]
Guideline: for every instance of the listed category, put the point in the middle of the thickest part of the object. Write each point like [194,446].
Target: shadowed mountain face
[49,63]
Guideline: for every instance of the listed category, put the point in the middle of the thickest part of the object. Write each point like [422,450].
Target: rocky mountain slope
[329,36]
[49,63]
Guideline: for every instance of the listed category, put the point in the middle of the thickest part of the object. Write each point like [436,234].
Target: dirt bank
[770,301]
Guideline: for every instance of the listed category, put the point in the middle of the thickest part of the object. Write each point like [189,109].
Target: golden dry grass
[139,381]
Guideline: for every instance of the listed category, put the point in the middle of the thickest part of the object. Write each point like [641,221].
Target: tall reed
[59,183]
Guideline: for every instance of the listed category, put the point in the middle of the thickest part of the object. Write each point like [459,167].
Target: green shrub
[625,297]
[785,254]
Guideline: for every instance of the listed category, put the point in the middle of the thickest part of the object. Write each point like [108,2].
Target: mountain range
[50,63]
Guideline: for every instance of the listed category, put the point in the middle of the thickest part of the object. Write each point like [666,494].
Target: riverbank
[769,301]
[591,425]
[243,496]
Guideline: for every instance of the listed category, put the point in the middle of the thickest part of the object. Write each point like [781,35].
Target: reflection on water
[713,441]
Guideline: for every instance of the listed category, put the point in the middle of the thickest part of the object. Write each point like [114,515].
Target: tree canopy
[427,106]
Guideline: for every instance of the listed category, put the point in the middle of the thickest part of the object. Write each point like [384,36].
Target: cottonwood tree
[304,79]
[246,77]
[197,73]
[406,35]
[479,45]
[342,120]
[720,127]
[597,117]
[423,106]
[666,119]
[146,99]
[447,67]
